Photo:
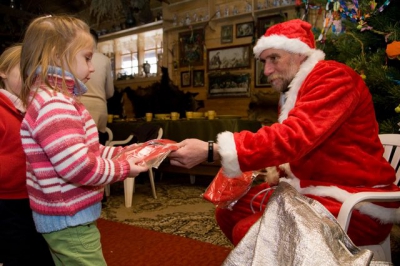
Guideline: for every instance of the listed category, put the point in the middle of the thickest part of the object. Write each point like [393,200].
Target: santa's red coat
[328,136]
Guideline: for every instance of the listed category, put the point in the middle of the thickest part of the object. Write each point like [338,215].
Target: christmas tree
[365,35]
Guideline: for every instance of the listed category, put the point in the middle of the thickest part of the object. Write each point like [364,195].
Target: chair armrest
[120,142]
[349,204]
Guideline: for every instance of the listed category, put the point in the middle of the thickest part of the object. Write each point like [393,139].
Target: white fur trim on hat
[281,42]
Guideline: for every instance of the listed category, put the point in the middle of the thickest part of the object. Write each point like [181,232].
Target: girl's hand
[135,169]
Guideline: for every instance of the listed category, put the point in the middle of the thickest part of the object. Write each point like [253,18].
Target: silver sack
[297,230]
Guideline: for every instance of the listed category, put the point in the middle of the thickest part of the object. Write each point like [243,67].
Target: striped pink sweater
[67,168]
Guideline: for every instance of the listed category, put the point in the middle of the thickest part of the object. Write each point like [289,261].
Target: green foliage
[101,9]
[365,51]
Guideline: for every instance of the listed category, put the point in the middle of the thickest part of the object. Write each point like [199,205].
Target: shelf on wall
[187,27]
[254,14]
[178,3]
[232,17]
[130,31]
[251,15]
[270,10]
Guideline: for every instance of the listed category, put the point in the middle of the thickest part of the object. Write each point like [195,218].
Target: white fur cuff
[228,153]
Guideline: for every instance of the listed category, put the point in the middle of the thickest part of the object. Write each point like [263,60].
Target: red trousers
[363,230]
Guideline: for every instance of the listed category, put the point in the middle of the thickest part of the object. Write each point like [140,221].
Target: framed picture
[244,29]
[198,78]
[232,57]
[191,48]
[185,79]
[228,85]
[227,34]
[264,23]
[259,78]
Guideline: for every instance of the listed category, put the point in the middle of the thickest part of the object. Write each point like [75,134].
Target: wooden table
[179,130]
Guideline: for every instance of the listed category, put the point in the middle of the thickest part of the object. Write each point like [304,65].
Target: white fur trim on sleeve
[227,151]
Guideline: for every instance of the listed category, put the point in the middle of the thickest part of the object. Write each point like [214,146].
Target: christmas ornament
[397,109]
[372,4]
[382,7]
[350,10]
[393,50]
[362,74]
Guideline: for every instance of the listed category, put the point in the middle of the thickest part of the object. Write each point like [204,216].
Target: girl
[17,230]
[67,168]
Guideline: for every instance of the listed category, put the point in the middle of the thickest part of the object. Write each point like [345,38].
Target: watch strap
[210,157]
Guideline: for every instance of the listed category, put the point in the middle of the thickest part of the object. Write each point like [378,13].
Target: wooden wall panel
[212,29]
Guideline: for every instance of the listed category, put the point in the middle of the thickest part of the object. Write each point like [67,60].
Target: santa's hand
[191,152]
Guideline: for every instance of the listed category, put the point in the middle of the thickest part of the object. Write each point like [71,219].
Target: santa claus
[326,142]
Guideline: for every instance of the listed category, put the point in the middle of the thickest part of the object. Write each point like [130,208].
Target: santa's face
[280,67]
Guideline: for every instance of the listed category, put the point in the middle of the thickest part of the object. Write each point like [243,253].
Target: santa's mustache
[271,78]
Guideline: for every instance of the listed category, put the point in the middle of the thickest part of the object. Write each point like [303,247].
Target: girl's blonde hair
[8,60]
[51,41]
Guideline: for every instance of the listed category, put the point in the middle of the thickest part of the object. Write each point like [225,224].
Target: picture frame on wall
[198,78]
[260,80]
[227,34]
[185,79]
[191,48]
[232,57]
[264,23]
[244,29]
[228,85]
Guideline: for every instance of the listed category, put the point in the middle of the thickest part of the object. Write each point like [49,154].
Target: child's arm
[59,141]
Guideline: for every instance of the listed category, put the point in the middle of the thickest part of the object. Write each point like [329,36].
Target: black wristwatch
[210,158]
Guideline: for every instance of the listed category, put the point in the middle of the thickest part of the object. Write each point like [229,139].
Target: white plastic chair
[111,142]
[391,143]
[129,183]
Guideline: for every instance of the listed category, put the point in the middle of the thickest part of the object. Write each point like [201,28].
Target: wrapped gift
[150,153]
[225,191]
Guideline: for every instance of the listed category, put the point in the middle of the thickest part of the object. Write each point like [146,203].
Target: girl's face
[12,80]
[82,64]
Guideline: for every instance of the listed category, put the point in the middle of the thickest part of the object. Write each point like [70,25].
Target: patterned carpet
[179,208]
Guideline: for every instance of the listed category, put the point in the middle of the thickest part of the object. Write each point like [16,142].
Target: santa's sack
[297,230]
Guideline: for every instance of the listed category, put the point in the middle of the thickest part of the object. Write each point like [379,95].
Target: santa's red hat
[293,36]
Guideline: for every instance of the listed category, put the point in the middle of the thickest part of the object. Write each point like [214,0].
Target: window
[132,51]
[152,47]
